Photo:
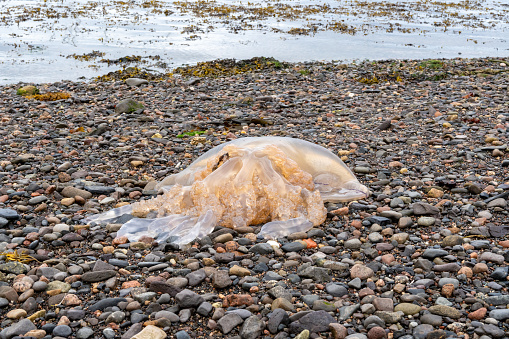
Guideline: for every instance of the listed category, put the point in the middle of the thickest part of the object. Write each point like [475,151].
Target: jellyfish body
[276,181]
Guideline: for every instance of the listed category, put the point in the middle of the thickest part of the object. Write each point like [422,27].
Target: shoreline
[424,256]
[224,67]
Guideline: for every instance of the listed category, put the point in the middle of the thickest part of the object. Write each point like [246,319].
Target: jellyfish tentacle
[280,228]
[110,215]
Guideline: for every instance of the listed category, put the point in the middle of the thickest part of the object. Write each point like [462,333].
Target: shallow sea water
[49,40]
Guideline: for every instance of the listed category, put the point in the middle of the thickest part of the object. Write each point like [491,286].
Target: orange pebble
[504,243]
[310,243]
[129,284]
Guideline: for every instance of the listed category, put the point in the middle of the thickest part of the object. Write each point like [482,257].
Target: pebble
[16,314]
[360,271]
[84,333]
[136,82]
[228,322]
[150,332]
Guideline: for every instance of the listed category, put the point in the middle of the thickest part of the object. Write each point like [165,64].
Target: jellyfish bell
[276,181]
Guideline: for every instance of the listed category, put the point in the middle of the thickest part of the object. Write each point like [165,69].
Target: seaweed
[190,134]
[226,67]
[51,96]
[20,256]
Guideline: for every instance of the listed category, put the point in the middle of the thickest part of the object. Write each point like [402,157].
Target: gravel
[425,256]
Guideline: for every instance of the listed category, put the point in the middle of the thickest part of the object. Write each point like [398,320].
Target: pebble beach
[424,256]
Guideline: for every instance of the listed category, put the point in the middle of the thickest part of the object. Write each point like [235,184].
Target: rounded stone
[377,333]
[62,331]
[16,314]
[360,271]
[84,333]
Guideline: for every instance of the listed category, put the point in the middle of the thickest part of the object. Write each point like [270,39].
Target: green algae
[190,134]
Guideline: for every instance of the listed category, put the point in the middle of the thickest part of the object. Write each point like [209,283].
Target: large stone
[377,332]
[500,314]
[360,271]
[136,82]
[132,331]
[317,321]
[492,257]
[493,330]
[389,317]
[8,293]
[27,90]
[252,328]
[323,305]
[164,287]
[407,308]
[102,266]
[227,323]
[338,331]
[8,214]
[97,189]
[84,333]
[432,253]
[98,276]
[196,277]
[48,272]
[277,317]
[383,304]
[71,192]
[17,329]
[445,311]
[346,312]
[421,331]
[62,331]
[318,274]
[262,249]
[128,106]
[221,279]
[432,319]
[421,208]
[282,303]
[424,264]
[143,297]
[495,300]
[280,292]
[167,315]
[426,221]
[303,335]
[14,267]
[353,244]
[372,321]
[452,240]
[58,285]
[400,238]
[336,290]
[294,246]
[150,332]
[16,314]
[188,299]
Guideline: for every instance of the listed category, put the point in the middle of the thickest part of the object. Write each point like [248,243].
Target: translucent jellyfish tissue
[279,182]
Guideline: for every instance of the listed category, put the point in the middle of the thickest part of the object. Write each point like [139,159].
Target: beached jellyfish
[279,182]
